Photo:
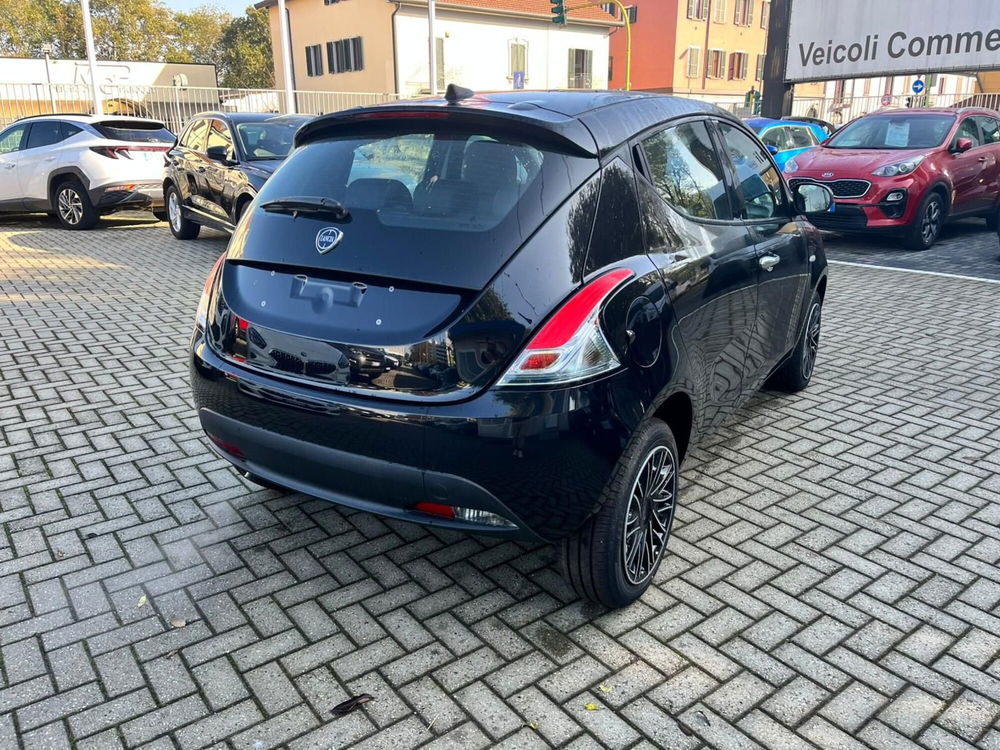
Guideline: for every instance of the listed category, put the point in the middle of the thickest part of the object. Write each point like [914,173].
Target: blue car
[786,138]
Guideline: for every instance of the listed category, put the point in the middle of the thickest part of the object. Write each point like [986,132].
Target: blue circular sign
[918,87]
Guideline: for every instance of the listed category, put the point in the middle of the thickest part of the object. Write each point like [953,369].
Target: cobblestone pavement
[832,580]
[966,248]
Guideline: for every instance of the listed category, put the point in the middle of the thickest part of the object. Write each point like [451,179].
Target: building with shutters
[382,46]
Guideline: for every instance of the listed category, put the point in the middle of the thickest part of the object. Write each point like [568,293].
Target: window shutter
[749,12]
[732,65]
[359,56]
[692,7]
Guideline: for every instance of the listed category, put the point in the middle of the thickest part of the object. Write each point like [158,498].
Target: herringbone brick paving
[832,580]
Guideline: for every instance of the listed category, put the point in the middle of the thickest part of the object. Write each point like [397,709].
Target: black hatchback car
[560,292]
[219,163]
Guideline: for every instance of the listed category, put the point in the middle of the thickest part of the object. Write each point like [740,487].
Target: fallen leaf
[172,653]
[342,709]
[142,600]
[90,535]
[178,622]
[604,688]
[531,725]
[590,706]
[60,554]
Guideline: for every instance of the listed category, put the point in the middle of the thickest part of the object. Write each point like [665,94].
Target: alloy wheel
[174,211]
[70,206]
[648,515]
[811,344]
[930,224]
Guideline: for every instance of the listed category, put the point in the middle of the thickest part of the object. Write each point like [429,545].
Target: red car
[907,172]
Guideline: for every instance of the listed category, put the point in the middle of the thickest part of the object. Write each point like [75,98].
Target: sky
[236,7]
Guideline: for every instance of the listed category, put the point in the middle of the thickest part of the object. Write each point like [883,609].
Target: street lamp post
[286,58]
[47,50]
[432,46]
[88,38]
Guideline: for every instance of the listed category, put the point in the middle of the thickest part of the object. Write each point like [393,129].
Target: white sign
[859,38]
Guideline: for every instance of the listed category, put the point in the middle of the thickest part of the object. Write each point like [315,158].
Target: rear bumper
[128,195]
[540,459]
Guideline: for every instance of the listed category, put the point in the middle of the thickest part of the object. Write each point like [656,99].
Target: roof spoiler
[556,131]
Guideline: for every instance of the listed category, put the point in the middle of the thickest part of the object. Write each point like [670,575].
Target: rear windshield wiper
[307,205]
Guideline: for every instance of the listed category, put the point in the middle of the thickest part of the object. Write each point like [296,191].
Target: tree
[198,34]
[25,25]
[245,52]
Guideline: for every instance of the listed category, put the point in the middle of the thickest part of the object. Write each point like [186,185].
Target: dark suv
[559,291]
[219,163]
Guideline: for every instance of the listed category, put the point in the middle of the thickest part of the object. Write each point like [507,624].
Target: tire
[796,372]
[594,558]
[181,227]
[927,223]
[163,215]
[993,220]
[72,206]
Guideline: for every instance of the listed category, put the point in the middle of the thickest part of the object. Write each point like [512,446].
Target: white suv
[79,167]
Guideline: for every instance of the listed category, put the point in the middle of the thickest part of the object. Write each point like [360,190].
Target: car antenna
[454,94]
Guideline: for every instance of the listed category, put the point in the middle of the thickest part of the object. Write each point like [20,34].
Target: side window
[759,181]
[990,127]
[69,130]
[687,172]
[10,139]
[194,136]
[775,137]
[969,129]
[800,136]
[44,133]
[219,135]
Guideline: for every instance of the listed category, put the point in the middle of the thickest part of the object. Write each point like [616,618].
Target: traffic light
[558,11]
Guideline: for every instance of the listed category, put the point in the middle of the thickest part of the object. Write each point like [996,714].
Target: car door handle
[981,158]
[769,261]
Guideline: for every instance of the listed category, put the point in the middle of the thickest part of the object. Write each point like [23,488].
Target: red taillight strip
[560,327]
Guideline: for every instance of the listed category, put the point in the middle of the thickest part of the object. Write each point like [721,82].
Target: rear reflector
[229,448]
[435,509]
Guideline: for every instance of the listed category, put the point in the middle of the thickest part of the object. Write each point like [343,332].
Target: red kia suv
[907,172]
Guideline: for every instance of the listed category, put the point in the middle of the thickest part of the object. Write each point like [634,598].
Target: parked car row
[80,167]
[899,172]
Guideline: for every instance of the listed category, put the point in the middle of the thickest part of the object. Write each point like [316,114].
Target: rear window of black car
[132,130]
[436,179]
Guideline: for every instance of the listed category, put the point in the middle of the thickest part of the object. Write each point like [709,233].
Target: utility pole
[432,46]
[286,57]
[88,38]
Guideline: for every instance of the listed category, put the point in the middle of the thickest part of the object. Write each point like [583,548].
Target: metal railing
[840,111]
[172,105]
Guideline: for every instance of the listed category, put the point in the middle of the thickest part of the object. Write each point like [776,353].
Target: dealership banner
[859,38]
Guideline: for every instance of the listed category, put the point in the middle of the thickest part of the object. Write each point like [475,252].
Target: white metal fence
[843,110]
[172,105]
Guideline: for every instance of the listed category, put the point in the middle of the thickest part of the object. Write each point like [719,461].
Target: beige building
[381,46]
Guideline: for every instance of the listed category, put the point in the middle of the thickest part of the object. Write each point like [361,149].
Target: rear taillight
[201,316]
[124,152]
[571,345]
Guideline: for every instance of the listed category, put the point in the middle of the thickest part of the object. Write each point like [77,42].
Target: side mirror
[812,199]
[221,154]
[772,150]
[962,145]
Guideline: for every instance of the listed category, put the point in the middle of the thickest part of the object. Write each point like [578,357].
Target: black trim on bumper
[368,484]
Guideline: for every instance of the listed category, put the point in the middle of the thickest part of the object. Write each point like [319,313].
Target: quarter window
[759,181]
[687,172]
[10,139]
[990,127]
